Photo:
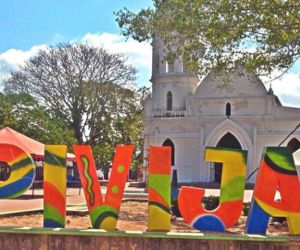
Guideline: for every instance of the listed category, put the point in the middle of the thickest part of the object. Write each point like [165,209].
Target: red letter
[103,214]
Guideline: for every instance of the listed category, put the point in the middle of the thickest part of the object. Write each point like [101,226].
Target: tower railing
[166,114]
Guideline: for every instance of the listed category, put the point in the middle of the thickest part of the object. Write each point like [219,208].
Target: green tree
[129,121]
[76,82]
[125,125]
[84,90]
[259,35]
[24,114]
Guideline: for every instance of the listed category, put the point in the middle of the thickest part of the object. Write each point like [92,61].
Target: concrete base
[32,238]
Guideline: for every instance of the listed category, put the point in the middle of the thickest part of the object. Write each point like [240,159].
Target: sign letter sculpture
[159,189]
[103,213]
[22,171]
[231,197]
[55,185]
[277,173]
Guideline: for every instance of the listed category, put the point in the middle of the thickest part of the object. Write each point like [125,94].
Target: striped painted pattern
[22,171]
[159,189]
[55,183]
[277,172]
[231,196]
[103,213]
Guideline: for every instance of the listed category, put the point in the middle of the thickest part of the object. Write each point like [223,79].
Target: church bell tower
[171,81]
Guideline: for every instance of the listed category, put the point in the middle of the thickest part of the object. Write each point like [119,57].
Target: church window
[228,110]
[169,143]
[169,101]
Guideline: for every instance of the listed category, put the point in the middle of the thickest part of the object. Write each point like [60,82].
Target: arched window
[228,110]
[169,101]
[169,143]
[293,145]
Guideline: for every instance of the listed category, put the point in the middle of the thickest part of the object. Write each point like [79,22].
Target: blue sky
[25,23]
[28,25]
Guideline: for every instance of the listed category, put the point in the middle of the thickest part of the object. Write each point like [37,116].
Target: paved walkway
[75,196]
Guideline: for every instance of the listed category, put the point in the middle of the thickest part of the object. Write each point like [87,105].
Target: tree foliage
[24,114]
[78,82]
[259,35]
[82,94]
[124,125]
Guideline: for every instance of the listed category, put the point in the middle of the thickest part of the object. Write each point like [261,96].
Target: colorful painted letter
[277,173]
[103,214]
[55,185]
[231,197]
[159,188]
[22,171]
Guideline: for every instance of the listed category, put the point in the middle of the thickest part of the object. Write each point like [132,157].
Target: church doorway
[169,143]
[227,141]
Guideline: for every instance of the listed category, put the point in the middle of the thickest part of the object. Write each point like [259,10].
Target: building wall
[257,118]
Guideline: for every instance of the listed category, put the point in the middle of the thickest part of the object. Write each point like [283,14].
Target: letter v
[103,213]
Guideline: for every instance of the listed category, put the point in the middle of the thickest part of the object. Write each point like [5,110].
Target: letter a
[277,173]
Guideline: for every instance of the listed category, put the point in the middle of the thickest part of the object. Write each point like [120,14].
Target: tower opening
[170,63]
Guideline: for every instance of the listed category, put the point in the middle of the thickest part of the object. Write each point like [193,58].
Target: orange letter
[103,214]
[231,197]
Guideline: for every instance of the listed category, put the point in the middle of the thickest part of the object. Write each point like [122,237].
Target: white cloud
[287,88]
[138,54]
[12,58]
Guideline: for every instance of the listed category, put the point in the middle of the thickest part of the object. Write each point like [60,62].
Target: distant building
[190,116]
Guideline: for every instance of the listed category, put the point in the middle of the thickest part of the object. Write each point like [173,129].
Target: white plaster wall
[179,94]
[234,86]
[257,119]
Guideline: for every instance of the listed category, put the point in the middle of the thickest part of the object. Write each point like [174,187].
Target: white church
[189,116]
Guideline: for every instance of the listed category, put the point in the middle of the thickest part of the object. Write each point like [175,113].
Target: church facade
[189,116]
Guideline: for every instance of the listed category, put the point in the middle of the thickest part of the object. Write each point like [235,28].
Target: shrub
[210,202]
[246,207]
[175,209]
